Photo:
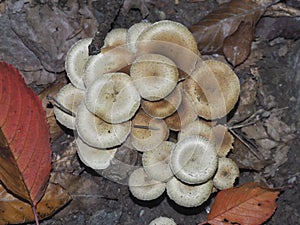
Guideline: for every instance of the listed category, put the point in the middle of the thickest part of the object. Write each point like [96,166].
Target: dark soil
[97,200]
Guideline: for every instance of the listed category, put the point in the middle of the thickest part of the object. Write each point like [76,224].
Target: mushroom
[188,195]
[226,174]
[98,133]
[184,115]
[114,38]
[197,127]
[165,107]
[222,139]
[113,98]
[106,62]
[76,59]
[162,221]
[156,161]
[147,133]
[143,187]
[94,158]
[194,160]
[155,76]
[70,98]
[213,88]
[134,32]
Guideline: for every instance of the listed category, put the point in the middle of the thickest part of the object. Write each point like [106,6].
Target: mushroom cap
[188,195]
[213,88]
[113,98]
[194,160]
[134,32]
[165,107]
[155,76]
[98,133]
[222,139]
[143,187]
[156,161]
[184,115]
[70,97]
[170,31]
[94,158]
[76,59]
[196,127]
[106,62]
[162,221]
[147,133]
[114,38]
[226,174]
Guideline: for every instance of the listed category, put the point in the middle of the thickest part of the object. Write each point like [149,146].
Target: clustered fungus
[149,82]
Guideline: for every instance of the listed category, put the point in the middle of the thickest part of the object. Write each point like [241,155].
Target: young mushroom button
[194,160]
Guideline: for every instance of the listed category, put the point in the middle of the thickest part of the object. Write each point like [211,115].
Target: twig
[60,106]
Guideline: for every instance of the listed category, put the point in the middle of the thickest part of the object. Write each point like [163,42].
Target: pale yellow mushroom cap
[226,174]
[156,161]
[194,160]
[165,107]
[213,88]
[134,32]
[76,59]
[162,221]
[143,187]
[188,195]
[98,133]
[70,97]
[116,37]
[113,98]
[154,76]
[197,127]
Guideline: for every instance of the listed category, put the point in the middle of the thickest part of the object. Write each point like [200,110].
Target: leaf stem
[35,216]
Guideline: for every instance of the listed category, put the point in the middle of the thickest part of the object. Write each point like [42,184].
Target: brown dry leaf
[233,21]
[249,204]
[15,211]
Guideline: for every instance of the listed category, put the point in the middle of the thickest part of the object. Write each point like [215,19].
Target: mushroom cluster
[147,86]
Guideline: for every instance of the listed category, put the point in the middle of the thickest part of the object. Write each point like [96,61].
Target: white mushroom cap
[147,133]
[155,76]
[75,62]
[70,97]
[134,32]
[188,195]
[197,127]
[113,98]
[184,115]
[143,187]
[107,62]
[114,38]
[165,107]
[156,161]
[194,160]
[213,88]
[222,139]
[226,174]
[162,221]
[95,158]
[97,133]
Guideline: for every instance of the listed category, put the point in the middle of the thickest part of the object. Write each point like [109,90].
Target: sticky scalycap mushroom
[98,133]
[226,174]
[194,160]
[76,59]
[113,98]
[213,88]
[70,98]
[143,187]
[155,76]
[188,195]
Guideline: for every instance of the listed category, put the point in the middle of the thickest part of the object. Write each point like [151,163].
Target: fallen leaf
[232,22]
[249,204]
[25,156]
[13,210]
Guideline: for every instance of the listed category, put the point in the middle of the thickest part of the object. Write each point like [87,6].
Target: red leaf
[25,153]
[249,204]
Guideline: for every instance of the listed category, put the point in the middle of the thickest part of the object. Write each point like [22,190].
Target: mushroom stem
[60,106]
